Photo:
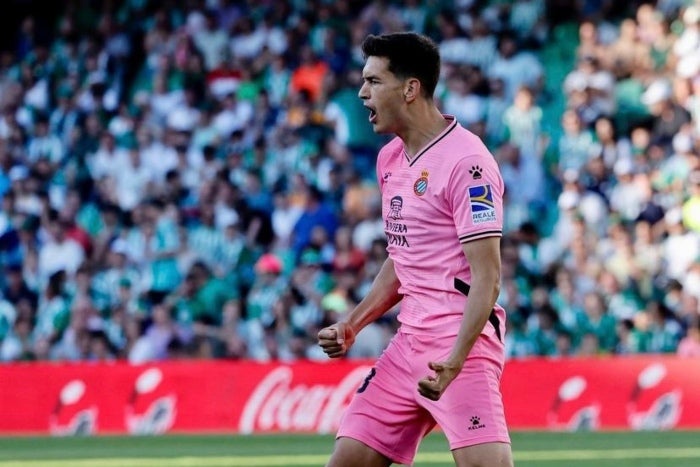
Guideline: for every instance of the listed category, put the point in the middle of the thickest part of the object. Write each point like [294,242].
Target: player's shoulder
[467,156]
[392,149]
[395,145]
[465,138]
[463,144]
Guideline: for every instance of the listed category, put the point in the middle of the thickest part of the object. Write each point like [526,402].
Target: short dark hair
[409,55]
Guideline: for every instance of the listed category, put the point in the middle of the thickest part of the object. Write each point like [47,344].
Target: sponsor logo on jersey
[393,228]
[421,185]
[395,206]
[481,203]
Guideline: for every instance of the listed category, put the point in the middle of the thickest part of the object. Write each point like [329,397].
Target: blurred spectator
[159,332]
[496,105]
[664,330]
[460,98]
[598,322]
[691,207]
[523,122]
[680,246]
[119,273]
[59,253]
[516,67]
[310,75]
[414,15]
[267,290]
[575,144]
[689,346]
[316,214]
[626,199]
[522,174]
[52,315]
[346,255]
[211,41]
[347,116]
[670,116]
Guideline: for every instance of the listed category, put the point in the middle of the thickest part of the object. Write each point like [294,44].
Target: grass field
[619,449]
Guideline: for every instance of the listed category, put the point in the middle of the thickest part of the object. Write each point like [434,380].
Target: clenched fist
[433,387]
[335,340]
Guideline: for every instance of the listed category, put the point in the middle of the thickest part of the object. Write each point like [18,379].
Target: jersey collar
[451,126]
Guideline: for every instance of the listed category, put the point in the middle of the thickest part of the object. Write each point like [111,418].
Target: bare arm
[383,295]
[335,340]
[485,260]
[484,256]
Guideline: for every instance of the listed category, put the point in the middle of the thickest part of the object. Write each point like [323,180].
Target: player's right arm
[335,340]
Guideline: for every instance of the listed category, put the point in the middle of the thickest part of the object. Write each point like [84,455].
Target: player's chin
[379,129]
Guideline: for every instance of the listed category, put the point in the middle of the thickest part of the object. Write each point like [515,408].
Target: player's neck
[421,128]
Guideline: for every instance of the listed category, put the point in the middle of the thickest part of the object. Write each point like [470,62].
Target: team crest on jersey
[421,185]
[481,203]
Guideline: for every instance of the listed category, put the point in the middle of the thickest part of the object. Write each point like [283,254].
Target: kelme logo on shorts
[476,423]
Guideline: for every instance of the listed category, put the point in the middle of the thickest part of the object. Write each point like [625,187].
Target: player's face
[382,93]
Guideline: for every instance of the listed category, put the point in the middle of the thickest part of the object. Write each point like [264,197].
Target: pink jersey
[450,193]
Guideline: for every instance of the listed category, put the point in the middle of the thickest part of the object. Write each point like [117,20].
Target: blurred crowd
[195,178]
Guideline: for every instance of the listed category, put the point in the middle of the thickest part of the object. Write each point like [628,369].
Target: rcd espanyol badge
[421,185]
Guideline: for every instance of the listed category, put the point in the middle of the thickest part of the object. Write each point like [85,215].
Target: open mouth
[372,115]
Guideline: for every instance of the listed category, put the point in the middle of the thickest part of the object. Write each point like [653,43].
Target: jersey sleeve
[475,194]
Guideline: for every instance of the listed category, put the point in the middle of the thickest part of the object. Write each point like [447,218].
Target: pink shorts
[389,415]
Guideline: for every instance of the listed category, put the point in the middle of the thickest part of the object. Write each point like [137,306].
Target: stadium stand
[194,178]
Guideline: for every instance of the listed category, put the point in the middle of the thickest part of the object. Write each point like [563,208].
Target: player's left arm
[484,256]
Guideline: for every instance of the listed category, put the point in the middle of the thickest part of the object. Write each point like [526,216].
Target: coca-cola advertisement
[635,393]
[282,401]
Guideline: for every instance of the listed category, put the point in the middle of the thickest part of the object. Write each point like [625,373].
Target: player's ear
[411,89]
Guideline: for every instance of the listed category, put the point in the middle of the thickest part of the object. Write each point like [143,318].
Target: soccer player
[442,208]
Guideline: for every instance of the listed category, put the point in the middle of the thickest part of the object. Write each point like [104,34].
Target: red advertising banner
[641,392]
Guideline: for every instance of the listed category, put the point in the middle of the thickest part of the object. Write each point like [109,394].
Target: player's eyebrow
[369,76]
